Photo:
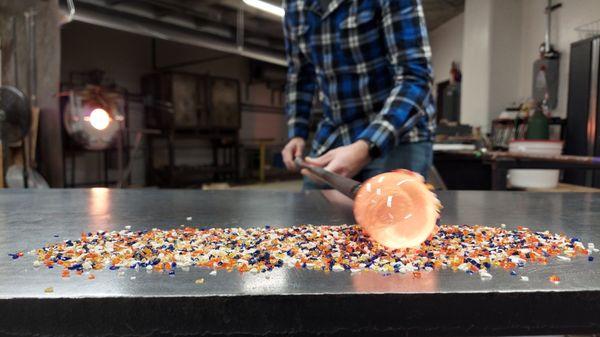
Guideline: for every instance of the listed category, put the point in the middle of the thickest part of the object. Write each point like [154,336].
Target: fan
[15,115]
[15,121]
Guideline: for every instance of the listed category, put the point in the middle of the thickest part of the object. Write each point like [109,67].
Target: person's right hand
[294,148]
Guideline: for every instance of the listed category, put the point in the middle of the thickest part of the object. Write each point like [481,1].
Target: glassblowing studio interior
[182,147]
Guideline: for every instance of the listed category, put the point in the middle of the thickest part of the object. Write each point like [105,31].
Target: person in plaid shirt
[370,61]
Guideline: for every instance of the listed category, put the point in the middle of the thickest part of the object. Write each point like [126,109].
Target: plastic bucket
[535,178]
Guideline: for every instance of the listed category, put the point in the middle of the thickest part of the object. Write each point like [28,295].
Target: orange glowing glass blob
[99,119]
[397,209]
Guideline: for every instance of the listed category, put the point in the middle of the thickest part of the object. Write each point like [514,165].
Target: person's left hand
[345,160]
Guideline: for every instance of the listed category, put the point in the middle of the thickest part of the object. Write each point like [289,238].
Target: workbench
[286,301]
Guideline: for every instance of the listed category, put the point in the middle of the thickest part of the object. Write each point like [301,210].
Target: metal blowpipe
[347,186]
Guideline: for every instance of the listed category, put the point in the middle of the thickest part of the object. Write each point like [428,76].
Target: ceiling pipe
[110,18]
[240,29]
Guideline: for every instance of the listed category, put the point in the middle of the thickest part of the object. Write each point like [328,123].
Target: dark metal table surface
[286,301]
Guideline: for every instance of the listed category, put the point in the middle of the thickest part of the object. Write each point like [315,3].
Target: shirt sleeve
[300,86]
[409,53]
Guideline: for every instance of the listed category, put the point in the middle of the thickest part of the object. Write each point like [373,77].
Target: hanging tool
[547,49]
[546,68]
[396,208]
[32,88]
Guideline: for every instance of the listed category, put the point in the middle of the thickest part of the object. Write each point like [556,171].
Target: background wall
[504,62]
[500,41]
[572,14]
[475,90]
[126,57]
[446,47]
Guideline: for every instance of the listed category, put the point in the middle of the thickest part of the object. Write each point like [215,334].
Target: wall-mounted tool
[545,69]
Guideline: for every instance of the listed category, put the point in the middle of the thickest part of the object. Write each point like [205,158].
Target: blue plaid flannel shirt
[370,60]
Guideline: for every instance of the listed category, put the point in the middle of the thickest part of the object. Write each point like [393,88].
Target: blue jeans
[417,157]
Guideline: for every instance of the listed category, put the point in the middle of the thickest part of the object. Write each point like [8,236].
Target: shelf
[551,120]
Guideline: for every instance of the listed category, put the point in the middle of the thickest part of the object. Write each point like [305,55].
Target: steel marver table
[286,301]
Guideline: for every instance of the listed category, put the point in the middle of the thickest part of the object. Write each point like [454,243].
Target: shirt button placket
[335,107]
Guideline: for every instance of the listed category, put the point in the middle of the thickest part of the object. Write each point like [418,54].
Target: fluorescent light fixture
[265,6]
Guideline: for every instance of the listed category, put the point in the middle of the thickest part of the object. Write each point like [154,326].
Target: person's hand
[345,160]
[294,148]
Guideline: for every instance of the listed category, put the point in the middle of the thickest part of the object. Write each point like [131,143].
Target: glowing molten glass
[397,209]
[99,119]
